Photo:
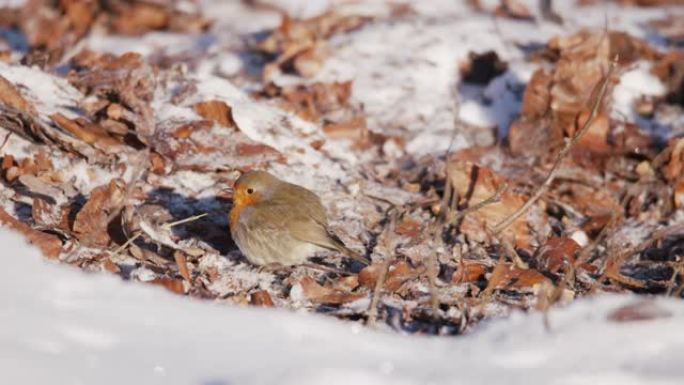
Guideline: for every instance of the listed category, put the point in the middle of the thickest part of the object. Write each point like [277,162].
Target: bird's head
[253,187]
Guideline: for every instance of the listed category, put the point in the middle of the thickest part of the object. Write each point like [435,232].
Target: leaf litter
[118,161]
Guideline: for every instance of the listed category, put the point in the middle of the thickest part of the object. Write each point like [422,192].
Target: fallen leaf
[469,271]
[507,276]
[473,184]
[261,298]
[171,284]
[674,167]
[49,244]
[297,44]
[398,273]
[216,111]
[481,68]
[557,253]
[354,129]
[92,221]
[642,310]
[182,264]
[409,227]
[11,97]
[514,9]
[87,132]
[322,294]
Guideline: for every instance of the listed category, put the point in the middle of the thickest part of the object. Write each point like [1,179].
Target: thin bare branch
[562,154]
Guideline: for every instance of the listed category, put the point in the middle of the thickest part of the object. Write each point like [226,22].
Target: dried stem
[561,154]
[453,218]
[585,255]
[193,218]
[384,268]
[4,141]
[165,226]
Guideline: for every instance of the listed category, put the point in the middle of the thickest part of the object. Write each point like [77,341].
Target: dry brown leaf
[473,184]
[354,129]
[322,294]
[642,310]
[308,62]
[508,276]
[171,284]
[157,164]
[49,244]
[216,111]
[203,146]
[557,253]
[674,168]
[537,97]
[127,82]
[92,221]
[678,194]
[110,266]
[409,228]
[481,68]
[469,271]
[11,97]
[90,133]
[182,264]
[261,298]
[513,9]
[297,44]
[398,273]
[558,103]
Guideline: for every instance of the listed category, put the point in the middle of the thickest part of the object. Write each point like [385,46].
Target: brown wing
[306,202]
[302,225]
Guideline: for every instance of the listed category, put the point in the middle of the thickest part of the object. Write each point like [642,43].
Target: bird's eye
[250,191]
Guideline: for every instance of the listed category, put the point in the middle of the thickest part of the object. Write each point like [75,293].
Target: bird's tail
[333,242]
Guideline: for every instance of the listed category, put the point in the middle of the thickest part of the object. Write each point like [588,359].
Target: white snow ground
[61,326]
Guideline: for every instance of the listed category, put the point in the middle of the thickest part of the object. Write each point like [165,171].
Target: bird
[274,222]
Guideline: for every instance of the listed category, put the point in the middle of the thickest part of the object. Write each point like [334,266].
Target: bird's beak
[226,193]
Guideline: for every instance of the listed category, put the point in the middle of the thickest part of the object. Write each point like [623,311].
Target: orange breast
[239,203]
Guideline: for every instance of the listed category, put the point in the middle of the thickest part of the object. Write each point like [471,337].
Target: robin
[275,222]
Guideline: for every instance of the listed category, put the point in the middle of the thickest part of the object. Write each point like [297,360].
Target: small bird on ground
[274,222]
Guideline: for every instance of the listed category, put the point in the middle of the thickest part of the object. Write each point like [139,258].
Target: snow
[636,82]
[64,326]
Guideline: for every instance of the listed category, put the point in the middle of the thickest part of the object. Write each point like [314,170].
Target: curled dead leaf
[642,310]
[473,184]
[171,284]
[323,294]
[508,276]
[261,298]
[92,221]
[469,271]
[557,253]
[49,244]
[398,273]
[216,111]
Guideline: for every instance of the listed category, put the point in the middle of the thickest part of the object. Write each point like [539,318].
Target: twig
[677,270]
[561,154]
[127,243]
[431,271]
[4,141]
[615,262]
[586,252]
[377,290]
[496,198]
[165,226]
[384,268]
[168,226]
